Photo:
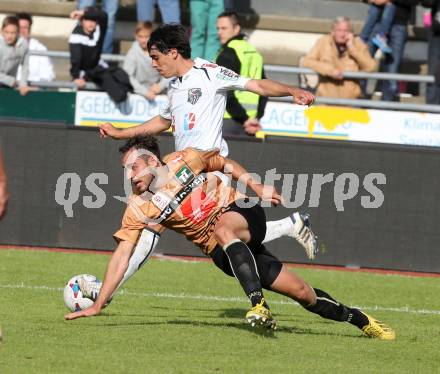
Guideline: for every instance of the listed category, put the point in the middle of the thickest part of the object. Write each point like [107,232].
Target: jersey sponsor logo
[189,121]
[194,94]
[227,75]
[209,65]
[185,175]
[180,196]
[198,206]
[161,200]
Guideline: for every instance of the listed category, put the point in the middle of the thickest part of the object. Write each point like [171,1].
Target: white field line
[402,309]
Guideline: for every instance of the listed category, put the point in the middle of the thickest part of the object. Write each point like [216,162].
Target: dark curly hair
[146,142]
[170,36]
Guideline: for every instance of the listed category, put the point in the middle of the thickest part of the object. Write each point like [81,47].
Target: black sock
[329,308]
[245,270]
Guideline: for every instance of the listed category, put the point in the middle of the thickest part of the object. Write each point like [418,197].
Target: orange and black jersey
[190,200]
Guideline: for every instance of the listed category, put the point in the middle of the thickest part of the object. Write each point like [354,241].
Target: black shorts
[268,266]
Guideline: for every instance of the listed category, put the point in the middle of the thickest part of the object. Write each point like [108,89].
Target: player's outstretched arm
[115,271]
[153,126]
[264,192]
[214,162]
[267,87]
[142,251]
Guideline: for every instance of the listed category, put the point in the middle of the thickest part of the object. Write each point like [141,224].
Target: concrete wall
[402,234]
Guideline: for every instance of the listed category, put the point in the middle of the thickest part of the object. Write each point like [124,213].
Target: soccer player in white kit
[196,105]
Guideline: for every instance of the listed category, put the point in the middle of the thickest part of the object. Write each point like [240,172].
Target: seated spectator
[243,109]
[335,53]
[85,44]
[40,67]
[145,80]
[13,53]
[383,15]
[169,10]
[433,89]
[204,40]
[110,7]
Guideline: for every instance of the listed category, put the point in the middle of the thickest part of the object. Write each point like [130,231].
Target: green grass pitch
[187,317]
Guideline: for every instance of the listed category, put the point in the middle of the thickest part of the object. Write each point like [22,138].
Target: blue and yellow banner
[283,119]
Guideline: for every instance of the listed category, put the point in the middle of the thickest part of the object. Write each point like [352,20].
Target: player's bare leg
[321,303]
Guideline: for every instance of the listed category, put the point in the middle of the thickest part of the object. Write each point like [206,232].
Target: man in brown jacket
[335,53]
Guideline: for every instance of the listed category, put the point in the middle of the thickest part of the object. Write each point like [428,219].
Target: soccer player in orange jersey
[182,194]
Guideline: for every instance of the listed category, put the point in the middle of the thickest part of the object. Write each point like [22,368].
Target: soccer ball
[73,297]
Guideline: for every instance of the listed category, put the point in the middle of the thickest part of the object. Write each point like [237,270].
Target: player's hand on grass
[108,130]
[267,193]
[94,310]
[303,97]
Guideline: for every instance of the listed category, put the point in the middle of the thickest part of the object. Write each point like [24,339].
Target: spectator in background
[110,7]
[13,53]
[169,10]
[145,80]
[85,44]
[40,67]
[4,196]
[383,15]
[204,40]
[336,53]
[243,109]
[433,89]
[397,40]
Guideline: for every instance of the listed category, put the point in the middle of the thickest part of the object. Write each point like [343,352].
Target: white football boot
[303,234]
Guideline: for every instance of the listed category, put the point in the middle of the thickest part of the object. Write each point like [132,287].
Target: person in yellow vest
[243,109]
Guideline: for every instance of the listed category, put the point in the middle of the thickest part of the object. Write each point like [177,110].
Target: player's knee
[223,235]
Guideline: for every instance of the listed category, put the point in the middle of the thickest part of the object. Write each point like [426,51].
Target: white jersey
[197,103]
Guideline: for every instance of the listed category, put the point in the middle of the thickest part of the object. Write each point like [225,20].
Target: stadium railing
[423,79]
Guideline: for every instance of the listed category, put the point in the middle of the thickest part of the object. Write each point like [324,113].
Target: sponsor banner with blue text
[284,119]
[93,108]
[345,123]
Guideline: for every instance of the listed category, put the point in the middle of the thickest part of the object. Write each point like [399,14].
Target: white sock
[277,229]
[144,248]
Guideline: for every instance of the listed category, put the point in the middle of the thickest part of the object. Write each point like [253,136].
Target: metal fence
[422,79]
